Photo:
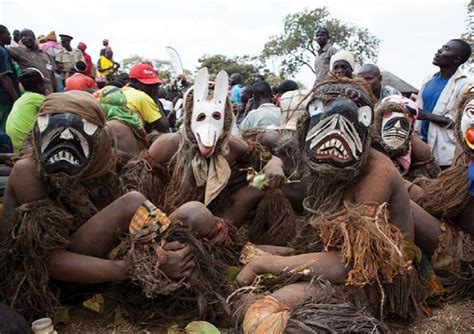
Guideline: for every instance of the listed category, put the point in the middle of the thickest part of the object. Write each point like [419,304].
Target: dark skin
[342,69]
[161,125]
[371,74]
[448,58]
[125,140]
[28,39]
[322,38]
[5,80]
[66,43]
[85,261]
[380,183]
[244,199]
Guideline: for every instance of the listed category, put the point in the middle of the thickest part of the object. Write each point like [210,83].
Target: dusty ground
[452,318]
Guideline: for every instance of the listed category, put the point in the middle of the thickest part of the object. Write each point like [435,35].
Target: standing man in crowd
[236,86]
[67,57]
[437,100]
[9,90]
[371,74]
[87,59]
[29,55]
[325,52]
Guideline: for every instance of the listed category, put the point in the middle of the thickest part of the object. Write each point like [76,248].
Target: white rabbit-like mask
[207,122]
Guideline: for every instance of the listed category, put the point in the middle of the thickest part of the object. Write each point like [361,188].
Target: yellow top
[142,104]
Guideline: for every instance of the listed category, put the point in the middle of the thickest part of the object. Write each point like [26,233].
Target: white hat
[343,55]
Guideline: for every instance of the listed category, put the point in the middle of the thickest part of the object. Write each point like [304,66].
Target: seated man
[266,115]
[393,135]
[444,213]
[371,74]
[66,213]
[22,118]
[358,224]
[342,64]
[202,161]
[79,80]
[143,81]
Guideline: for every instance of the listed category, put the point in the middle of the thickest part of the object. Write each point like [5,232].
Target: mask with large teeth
[340,115]
[65,142]
[394,122]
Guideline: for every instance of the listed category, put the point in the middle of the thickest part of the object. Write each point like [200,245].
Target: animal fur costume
[402,155]
[38,228]
[445,198]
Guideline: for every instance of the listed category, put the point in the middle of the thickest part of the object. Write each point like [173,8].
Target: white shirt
[440,139]
[266,116]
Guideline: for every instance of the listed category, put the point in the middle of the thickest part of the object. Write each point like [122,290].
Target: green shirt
[22,118]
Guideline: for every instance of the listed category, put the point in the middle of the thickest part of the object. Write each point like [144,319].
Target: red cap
[81,46]
[145,74]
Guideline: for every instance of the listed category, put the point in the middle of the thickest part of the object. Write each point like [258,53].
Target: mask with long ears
[208,113]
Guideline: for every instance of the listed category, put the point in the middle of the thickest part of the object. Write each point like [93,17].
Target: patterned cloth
[149,217]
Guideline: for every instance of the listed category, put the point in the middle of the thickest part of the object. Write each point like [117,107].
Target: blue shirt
[430,96]
[235,93]
[6,68]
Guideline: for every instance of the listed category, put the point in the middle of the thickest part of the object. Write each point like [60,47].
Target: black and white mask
[337,132]
[65,142]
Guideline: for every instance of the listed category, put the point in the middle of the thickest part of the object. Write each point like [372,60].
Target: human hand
[248,274]
[274,175]
[179,260]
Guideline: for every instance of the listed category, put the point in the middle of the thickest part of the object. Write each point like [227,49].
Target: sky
[410,30]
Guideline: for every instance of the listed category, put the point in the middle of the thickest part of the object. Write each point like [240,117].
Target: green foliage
[163,67]
[246,65]
[296,46]
[468,36]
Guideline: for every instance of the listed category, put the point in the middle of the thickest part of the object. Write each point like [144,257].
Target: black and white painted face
[337,132]
[396,128]
[65,142]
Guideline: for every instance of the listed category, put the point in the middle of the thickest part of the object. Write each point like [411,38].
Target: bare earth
[450,318]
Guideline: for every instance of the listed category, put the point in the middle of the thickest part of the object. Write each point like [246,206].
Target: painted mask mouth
[63,155]
[333,148]
[469,138]
[206,151]
[395,137]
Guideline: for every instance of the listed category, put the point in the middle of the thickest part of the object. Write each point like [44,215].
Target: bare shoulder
[420,150]
[25,181]
[164,147]
[237,146]
[376,183]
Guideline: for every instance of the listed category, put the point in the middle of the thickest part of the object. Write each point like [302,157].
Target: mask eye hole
[365,115]
[89,127]
[43,121]
[201,117]
[216,115]
[315,107]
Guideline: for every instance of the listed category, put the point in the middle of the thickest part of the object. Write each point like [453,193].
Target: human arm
[5,71]
[67,266]
[442,121]
[8,85]
[327,264]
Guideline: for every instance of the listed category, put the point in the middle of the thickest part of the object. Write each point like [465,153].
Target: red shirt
[80,81]
[88,61]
